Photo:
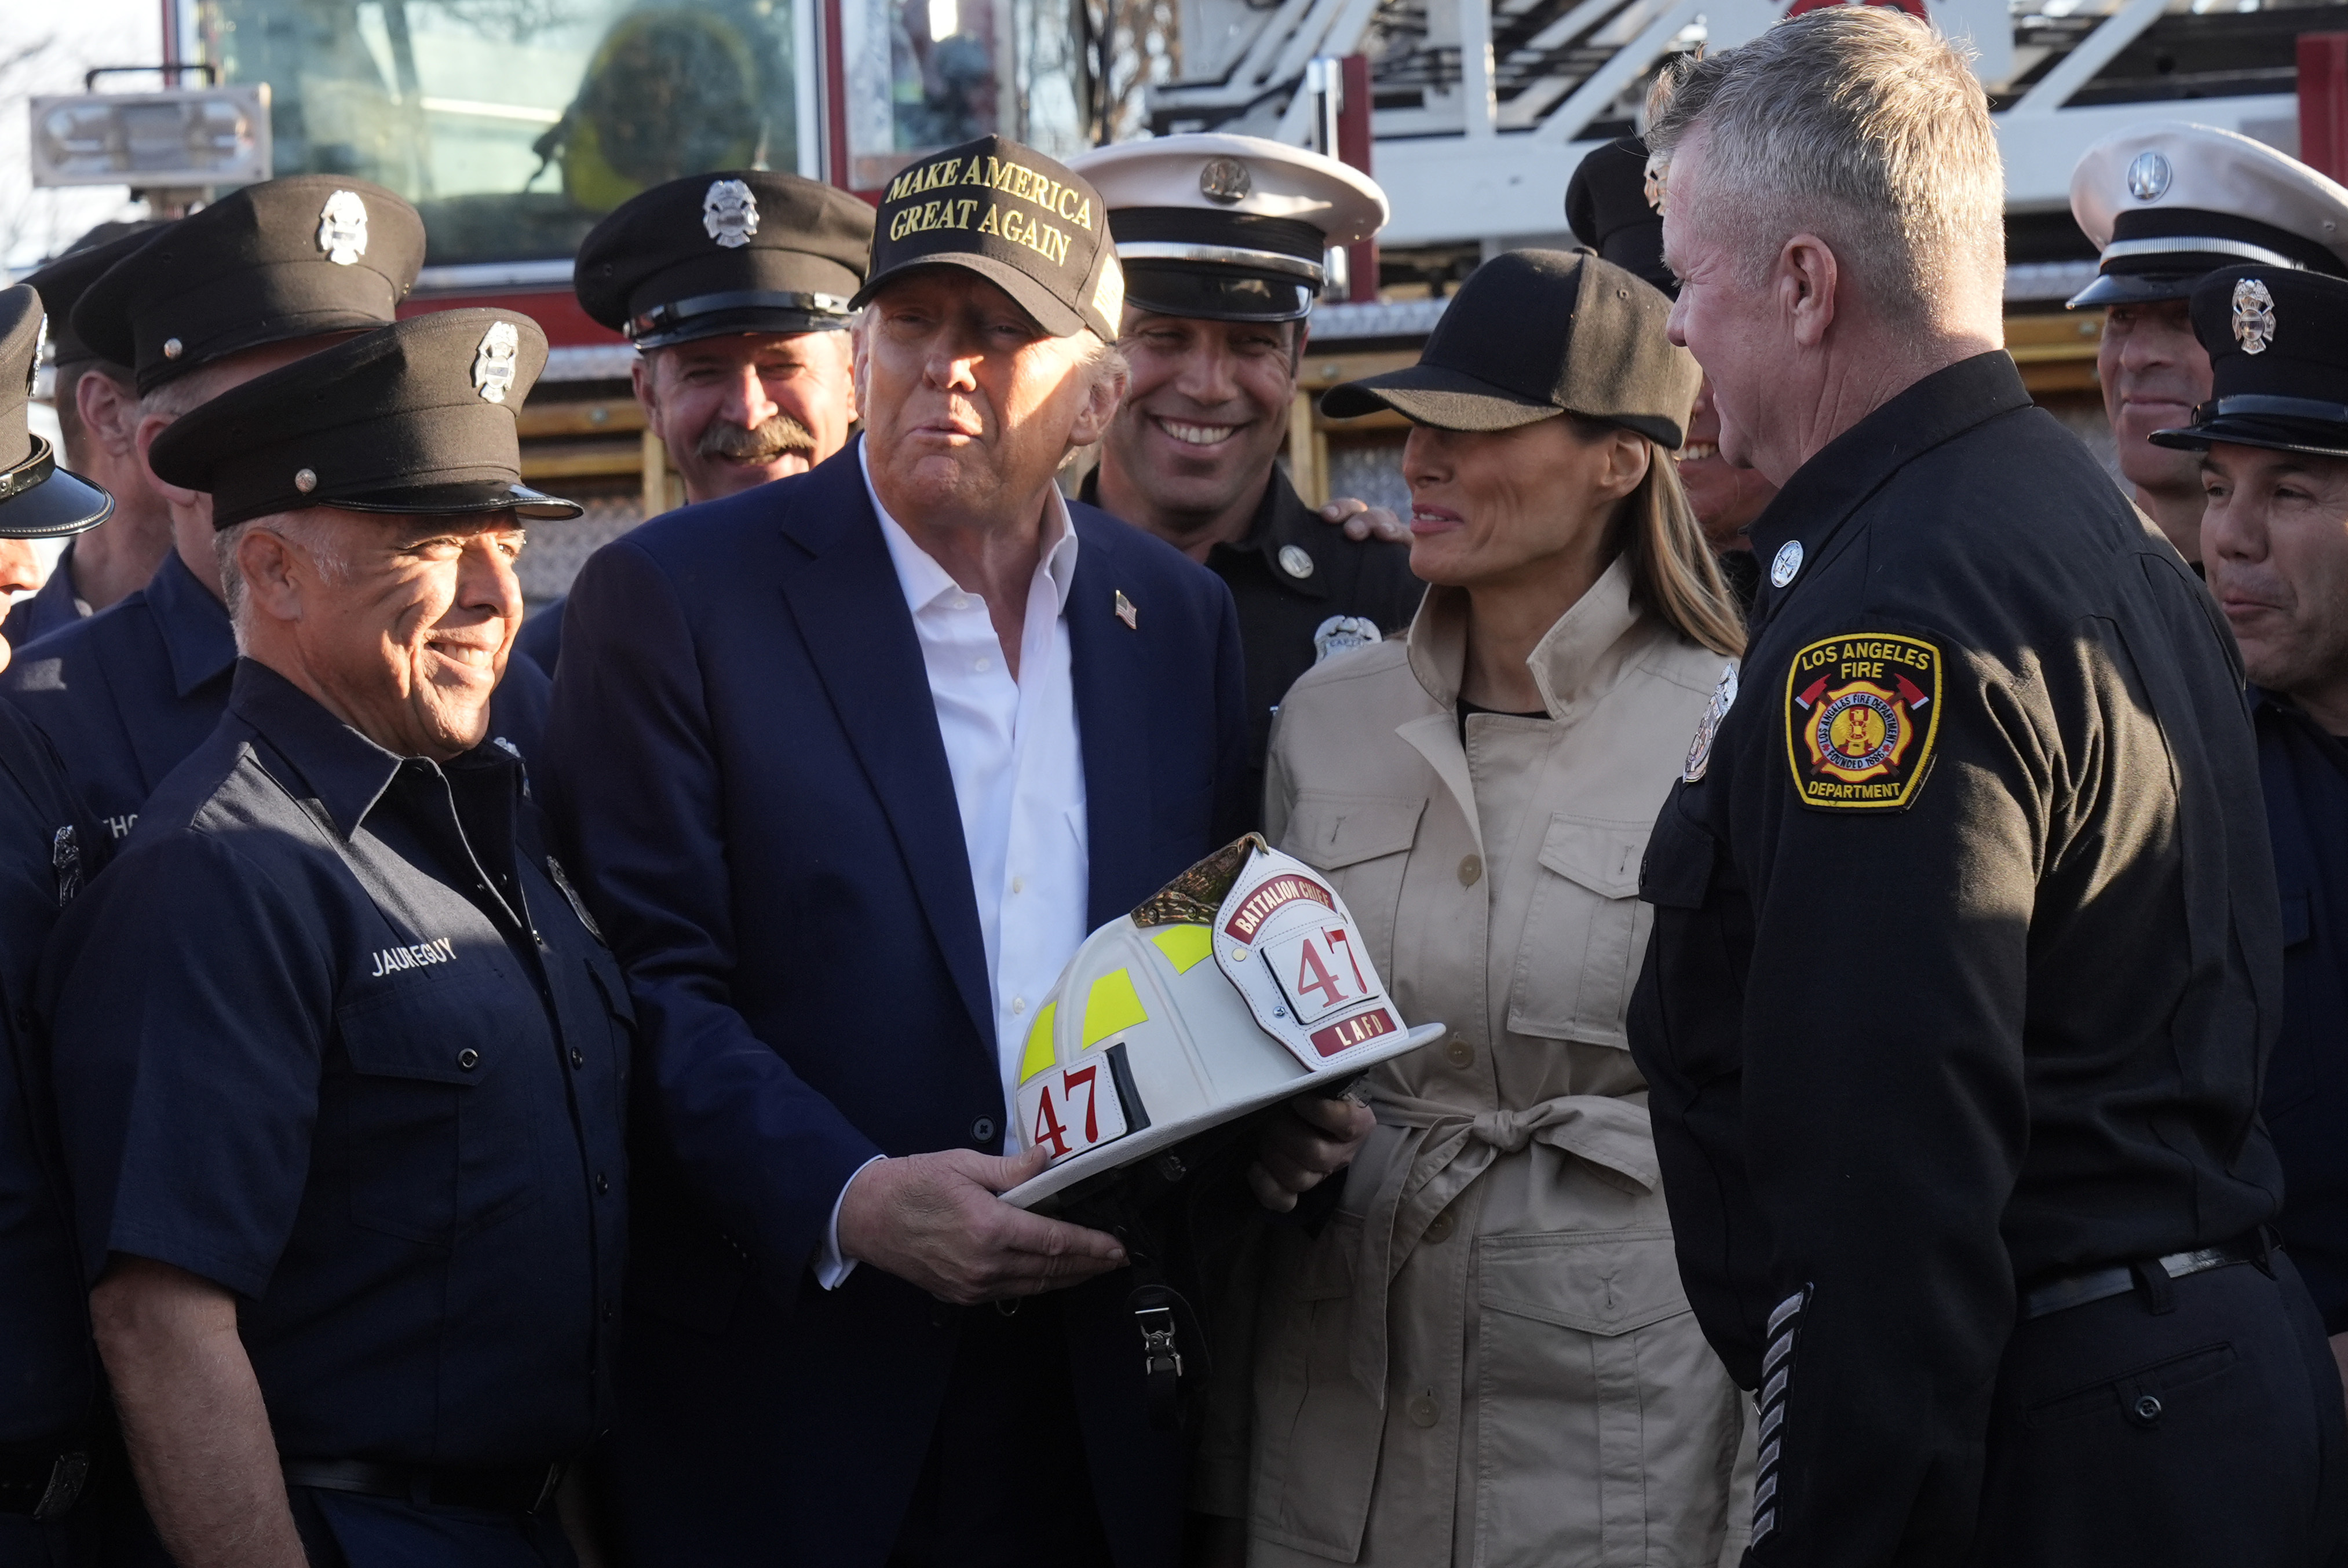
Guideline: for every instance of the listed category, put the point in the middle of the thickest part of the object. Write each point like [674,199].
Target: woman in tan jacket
[1483,1356]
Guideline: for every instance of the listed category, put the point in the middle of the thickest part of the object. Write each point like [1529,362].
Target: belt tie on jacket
[1444,1148]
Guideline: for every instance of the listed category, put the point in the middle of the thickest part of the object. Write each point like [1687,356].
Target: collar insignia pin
[1294,562]
[1127,613]
[2254,315]
[1788,562]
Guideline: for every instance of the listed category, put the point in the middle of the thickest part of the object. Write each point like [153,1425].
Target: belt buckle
[67,1476]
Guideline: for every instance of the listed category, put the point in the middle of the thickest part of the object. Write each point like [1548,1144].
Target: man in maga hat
[734,287]
[1221,238]
[2167,204]
[261,278]
[853,761]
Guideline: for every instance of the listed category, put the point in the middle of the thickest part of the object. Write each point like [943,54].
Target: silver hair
[310,532]
[1865,127]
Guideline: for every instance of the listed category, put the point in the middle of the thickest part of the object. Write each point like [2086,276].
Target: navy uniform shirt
[54,607]
[1296,580]
[2305,773]
[128,693]
[1965,956]
[332,1033]
[48,1382]
[540,638]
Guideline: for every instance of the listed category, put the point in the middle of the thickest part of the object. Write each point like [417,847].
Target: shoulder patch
[1862,712]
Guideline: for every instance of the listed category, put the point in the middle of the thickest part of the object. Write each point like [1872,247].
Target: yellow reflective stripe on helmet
[1112,1006]
[1185,947]
[1038,1054]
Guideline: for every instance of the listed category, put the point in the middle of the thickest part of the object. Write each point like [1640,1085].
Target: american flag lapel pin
[1127,613]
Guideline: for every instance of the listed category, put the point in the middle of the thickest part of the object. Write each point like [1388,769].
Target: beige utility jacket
[1485,1357]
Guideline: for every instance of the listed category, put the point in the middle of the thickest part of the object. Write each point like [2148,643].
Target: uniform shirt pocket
[1584,931]
[436,1129]
[1364,843]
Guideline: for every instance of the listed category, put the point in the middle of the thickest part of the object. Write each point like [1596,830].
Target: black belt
[500,1488]
[2101,1284]
[42,1480]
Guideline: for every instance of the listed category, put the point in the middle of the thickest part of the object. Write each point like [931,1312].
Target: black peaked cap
[1535,334]
[1606,206]
[61,282]
[745,251]
[288,258]
[2278,344]
[38,498]
[415,417]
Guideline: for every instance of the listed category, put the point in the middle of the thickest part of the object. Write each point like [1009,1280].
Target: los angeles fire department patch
[1862,711]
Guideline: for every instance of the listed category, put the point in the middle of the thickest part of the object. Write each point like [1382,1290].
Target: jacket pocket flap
[615,986]
[1677,871]
[1332,831]
[1601,1282]
[1604,856]
[433,1030]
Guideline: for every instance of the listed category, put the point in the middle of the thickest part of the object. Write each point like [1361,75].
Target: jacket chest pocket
[437,1135]
[1584,931]
[1364,843]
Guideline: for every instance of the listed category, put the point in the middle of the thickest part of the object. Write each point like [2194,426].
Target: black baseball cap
[1535,334]
[1606,208]
[415,417]
[717,254]
[289,259]
[38,500]
[1031,226]
[61,283]
[2278,344]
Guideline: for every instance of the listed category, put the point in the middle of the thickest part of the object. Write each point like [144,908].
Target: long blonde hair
[1673,573]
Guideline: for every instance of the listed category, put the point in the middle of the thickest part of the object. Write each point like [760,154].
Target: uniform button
[1019,885]
[1018,1004]
[1440,1231]
[1459,1053]
[578,1056]
[607,1312]
[1471,870]
[2148,1409]
[602,1186]
[1422,1409]
[983,1129]
[469,1059]
[983,664]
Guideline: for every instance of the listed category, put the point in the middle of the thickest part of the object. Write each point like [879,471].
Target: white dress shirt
[1018,777]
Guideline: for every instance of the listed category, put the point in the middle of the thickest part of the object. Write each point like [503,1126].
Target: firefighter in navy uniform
[50,1399]
[1222,238]
[1965,956]
[340,1062]
[260,278]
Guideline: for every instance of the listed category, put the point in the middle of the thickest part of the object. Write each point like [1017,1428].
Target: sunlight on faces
[1728,318]
[969,407]
[19,573]
[1206,410]
[2274,541]
[736,412]
[1490,506]
[2153,371]
[401,625]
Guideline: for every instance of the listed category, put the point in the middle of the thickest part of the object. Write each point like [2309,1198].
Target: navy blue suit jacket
[745,755]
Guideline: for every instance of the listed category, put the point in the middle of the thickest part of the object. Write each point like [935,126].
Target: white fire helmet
[1242,982]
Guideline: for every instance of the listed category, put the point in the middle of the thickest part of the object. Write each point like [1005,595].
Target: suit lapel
[859,634]
[1109,670]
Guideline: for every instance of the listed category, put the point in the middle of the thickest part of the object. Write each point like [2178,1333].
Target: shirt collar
[1823,492]
[1580,656]
[193,623]
[924,582]
[346,771]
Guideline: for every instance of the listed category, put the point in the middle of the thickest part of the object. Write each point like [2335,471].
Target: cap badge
[1127,613]
[2148,176]
[1788,562]
[730,213]
[494,363]
[41,349]
[342,228]
[2254,317]
[1294,562]
[1225,179]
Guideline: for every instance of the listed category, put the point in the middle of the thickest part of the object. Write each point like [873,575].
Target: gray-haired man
[1966,949]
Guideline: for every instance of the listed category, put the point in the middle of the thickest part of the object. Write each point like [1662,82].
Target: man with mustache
[734,287]
[1222,240]
[2167,204]
[2271,445]
[340,1067]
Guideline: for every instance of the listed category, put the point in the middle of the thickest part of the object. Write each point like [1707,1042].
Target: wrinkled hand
[1361,520]
[1297,1151]
[933,1221]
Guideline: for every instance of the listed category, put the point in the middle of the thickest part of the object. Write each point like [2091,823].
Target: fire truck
[514,125]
